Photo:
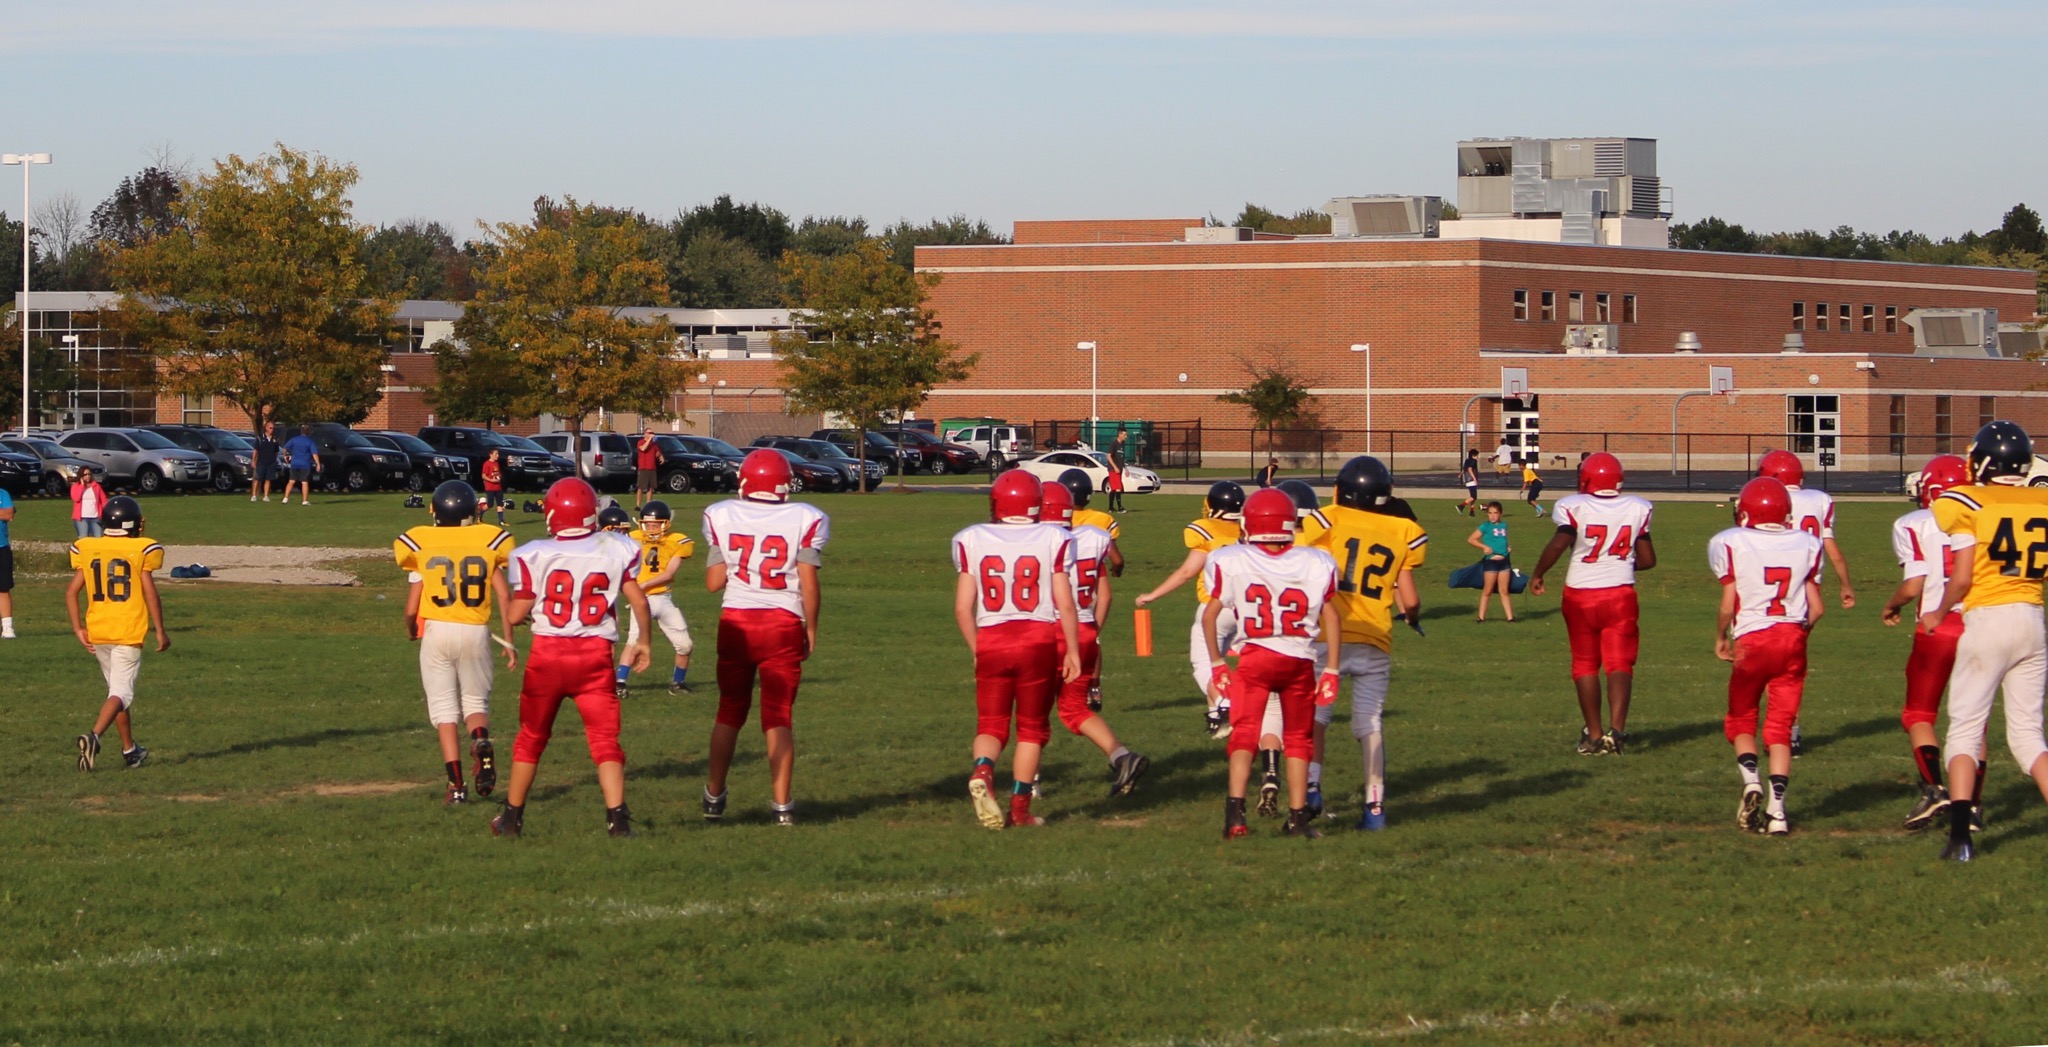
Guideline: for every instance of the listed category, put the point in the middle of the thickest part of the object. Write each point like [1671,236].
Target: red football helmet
[1600,474]
[1016,497]
[1269,516]
[1056,504]
[764,476]
[1943,471]
[1782,466]
[1765,504]
[570,508]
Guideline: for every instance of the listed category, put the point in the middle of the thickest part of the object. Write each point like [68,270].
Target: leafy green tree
[10,259]
[873,351]
[1276,396]
[716,271]
[1713,234]
[828,236]
[2020,232]
[904,238]
[762,228]
[141,208]
[479,383]
[417,258]
[549,317]
[257,293]
[1307,221]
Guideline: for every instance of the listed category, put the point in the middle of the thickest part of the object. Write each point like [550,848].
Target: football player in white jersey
[1283,597]
[1089,572]
[1218,528]
[1927,559]
[1813,511]
[1607,534]
[1770,600]
[1014,605]
[763,553]
[568,585]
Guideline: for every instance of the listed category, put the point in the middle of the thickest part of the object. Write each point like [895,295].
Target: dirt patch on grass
[257,564]
[360,788]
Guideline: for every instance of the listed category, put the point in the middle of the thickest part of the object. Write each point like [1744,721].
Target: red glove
[1219,677]
[1326,689]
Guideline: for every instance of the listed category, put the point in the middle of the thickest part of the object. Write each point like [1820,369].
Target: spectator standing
[87,499]
[647,460]
[1491,538]
[304,455]
[494,485]
[264,468]
[6,567]
[1119,459]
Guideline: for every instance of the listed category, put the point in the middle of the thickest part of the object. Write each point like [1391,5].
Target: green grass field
[283,870]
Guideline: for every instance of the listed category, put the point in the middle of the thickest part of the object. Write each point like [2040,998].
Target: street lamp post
[1366,348]
[1094,370]
[27,162]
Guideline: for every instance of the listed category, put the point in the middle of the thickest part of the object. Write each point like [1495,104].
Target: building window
[198,409]
[1891,319]
[1987,410]
[1813,424]
[1869,318]
[1628,308]
[1521,305]
[1820,316]
[1941,425]
[1897,428]
[1601,313]
[1575,307]
[1548,307]
[1842,314]
[1799,316]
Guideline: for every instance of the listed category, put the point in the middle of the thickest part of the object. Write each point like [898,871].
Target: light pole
[1366,348]
[71,405]
[1094,370]
[27,162]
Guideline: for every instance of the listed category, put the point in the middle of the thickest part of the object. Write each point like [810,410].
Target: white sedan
[1050,465]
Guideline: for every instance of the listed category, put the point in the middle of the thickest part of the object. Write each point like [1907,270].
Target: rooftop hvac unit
[1954,332]
[1386,217]
[1591,340]
[722,346]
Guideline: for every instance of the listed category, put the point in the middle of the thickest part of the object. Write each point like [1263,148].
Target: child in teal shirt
[1491,538]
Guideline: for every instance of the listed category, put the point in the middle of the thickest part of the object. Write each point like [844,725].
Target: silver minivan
[606,459]
[139,457]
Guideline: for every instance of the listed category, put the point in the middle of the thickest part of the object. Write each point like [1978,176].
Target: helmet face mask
[454,503]
[1225,501]
[1764,505]
[2002,452]
[1270,518]
[1015,497]
[1364,483]
[655,517]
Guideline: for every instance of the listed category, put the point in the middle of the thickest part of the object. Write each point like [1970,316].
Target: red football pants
[1602,626]
[1927,670]
[1770,662]
[1016,674]
[578,668]
[1074,693]
[1261,671]
[759,642]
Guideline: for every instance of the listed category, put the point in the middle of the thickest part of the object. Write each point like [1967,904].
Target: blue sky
[1775,115]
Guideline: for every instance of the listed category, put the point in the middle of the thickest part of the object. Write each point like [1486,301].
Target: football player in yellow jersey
[1080,486]
[121,605]
[2001,526]
[1219,526]
[456,567]
[1377,551]
[662,551]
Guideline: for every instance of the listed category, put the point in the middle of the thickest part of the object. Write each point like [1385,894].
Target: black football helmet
[1304,496]
[122,515]
[454,502]
[613,518]
[1226,500]
[1364,483]
[1079,485]
[2000,449]
[655,517]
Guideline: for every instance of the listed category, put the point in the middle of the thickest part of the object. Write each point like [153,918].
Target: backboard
[1514,383]
[1720,380]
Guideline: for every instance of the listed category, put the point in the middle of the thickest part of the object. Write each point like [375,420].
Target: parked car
[349,461]
[683,470]
[564,465]
[828,454]
[608,460]
[809,475]
[234,460]
[467,448]
[20,473]
[427,468]
[1050,465]
[939,456]
[714,446]
[140,458]
[899,458]
[999,445]
[56,464]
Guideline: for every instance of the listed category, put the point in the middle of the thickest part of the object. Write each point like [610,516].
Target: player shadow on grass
[1858,797]
[1495,791]
[298,741]
[1858,729]
[1685,732]
[1466,611]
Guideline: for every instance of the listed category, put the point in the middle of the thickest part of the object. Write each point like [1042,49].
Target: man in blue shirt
[6,567]
[305,459]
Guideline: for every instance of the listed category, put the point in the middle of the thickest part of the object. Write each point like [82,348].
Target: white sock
[7,624]
[1375,767]
[1315,772]
[1749,775]
[1119,754]
[1775,801]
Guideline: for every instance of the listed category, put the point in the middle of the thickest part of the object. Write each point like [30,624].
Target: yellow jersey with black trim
[454,565]
[1209,534]
[2004,532]
[655,554]
[1098,519]
[1310,526]
[115,612]
[1371,550]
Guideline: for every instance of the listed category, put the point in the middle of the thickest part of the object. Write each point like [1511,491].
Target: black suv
[897,458]
[467,448]
[348,462]
[428,468]
[683,470]
[233,459]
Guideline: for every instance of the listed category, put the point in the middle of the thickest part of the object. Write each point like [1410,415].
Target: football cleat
[1776,825]
[679,687]
[510,822]
[1798,743]
[1315,799]
[457,795]
[1301,823]
[622,690]
[1589,745]
[1958,850]
[1933,802]
[1749,814]
[1374,819]
[1024,820]
[1976,817]
[1218,720]
[1125,771]
[135,757]
[1269,797]
[1614,743]
[618,821]
[1233,819]
[486,766]
[714,807]
[1094,699]
[785,816]
[980,788]
[88,751]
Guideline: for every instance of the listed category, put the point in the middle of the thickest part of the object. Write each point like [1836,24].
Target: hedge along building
[1616,338]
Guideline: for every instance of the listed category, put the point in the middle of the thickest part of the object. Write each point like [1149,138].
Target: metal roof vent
[1794,343]
[1688,342]
[1954,332]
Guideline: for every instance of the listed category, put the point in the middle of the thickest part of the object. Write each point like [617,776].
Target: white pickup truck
[999,444]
